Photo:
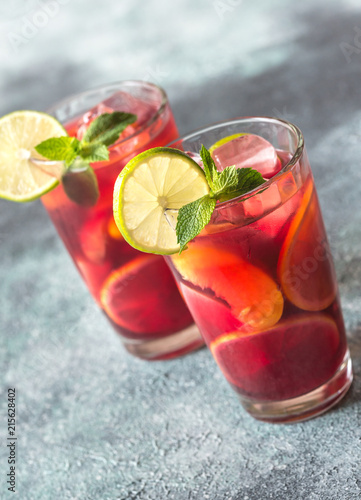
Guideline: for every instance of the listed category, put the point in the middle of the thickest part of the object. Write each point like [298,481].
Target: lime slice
[224,140]
[20,132]
[153,182]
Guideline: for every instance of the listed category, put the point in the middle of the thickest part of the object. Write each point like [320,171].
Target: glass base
[307,406]
[169,347]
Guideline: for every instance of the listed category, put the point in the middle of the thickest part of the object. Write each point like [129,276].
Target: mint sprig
[101,133]
[94,152]
[78,179]
[63,148]
[225,185]
[192,218]
[107,127]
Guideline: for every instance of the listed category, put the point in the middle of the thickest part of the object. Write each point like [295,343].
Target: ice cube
[248,151]
[122,101]
[90,116]
[119,101]
[99,109]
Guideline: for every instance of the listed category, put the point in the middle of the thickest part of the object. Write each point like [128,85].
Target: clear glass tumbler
[260,283]
[137,292]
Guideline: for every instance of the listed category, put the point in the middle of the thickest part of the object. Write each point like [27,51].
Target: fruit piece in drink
[252,294]
[285,361]
[133,296]
[305,269]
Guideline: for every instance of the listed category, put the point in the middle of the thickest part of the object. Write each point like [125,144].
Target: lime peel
[21,179]
[224,140]
[152,183]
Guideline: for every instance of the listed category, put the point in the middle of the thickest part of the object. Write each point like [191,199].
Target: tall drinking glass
[137,292]
[260,283]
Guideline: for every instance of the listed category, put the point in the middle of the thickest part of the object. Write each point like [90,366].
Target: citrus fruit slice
[126,299]
[152,182]
[211,326]
[224,140]
[113,230]
[251,293]
[293,357]
[305,267]
[21,131]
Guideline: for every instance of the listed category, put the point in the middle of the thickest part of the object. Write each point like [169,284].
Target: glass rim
[130,83]
[288,166]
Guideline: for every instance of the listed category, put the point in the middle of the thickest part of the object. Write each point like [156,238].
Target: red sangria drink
[137,292]
[259,278]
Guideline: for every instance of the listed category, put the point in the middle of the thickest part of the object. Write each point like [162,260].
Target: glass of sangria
[259,279]
[136,292]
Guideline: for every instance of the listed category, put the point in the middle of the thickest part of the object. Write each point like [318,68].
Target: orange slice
[253,295]
[289,359]
[113,230]
[239,359]
[305,267]
[141,297]
[212,325]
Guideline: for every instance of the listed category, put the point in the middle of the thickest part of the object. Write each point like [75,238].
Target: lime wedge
[20,132]
[153,182]
[224,140]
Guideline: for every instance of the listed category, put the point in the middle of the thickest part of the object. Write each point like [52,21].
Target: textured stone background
[94,423]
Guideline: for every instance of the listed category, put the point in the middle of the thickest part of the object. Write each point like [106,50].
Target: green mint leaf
[192,218]
[59,149]
[209,166]
[94,152]
[80,183]
[227,179]
[78,178]
[247,180]
[106,128]
[225,185]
